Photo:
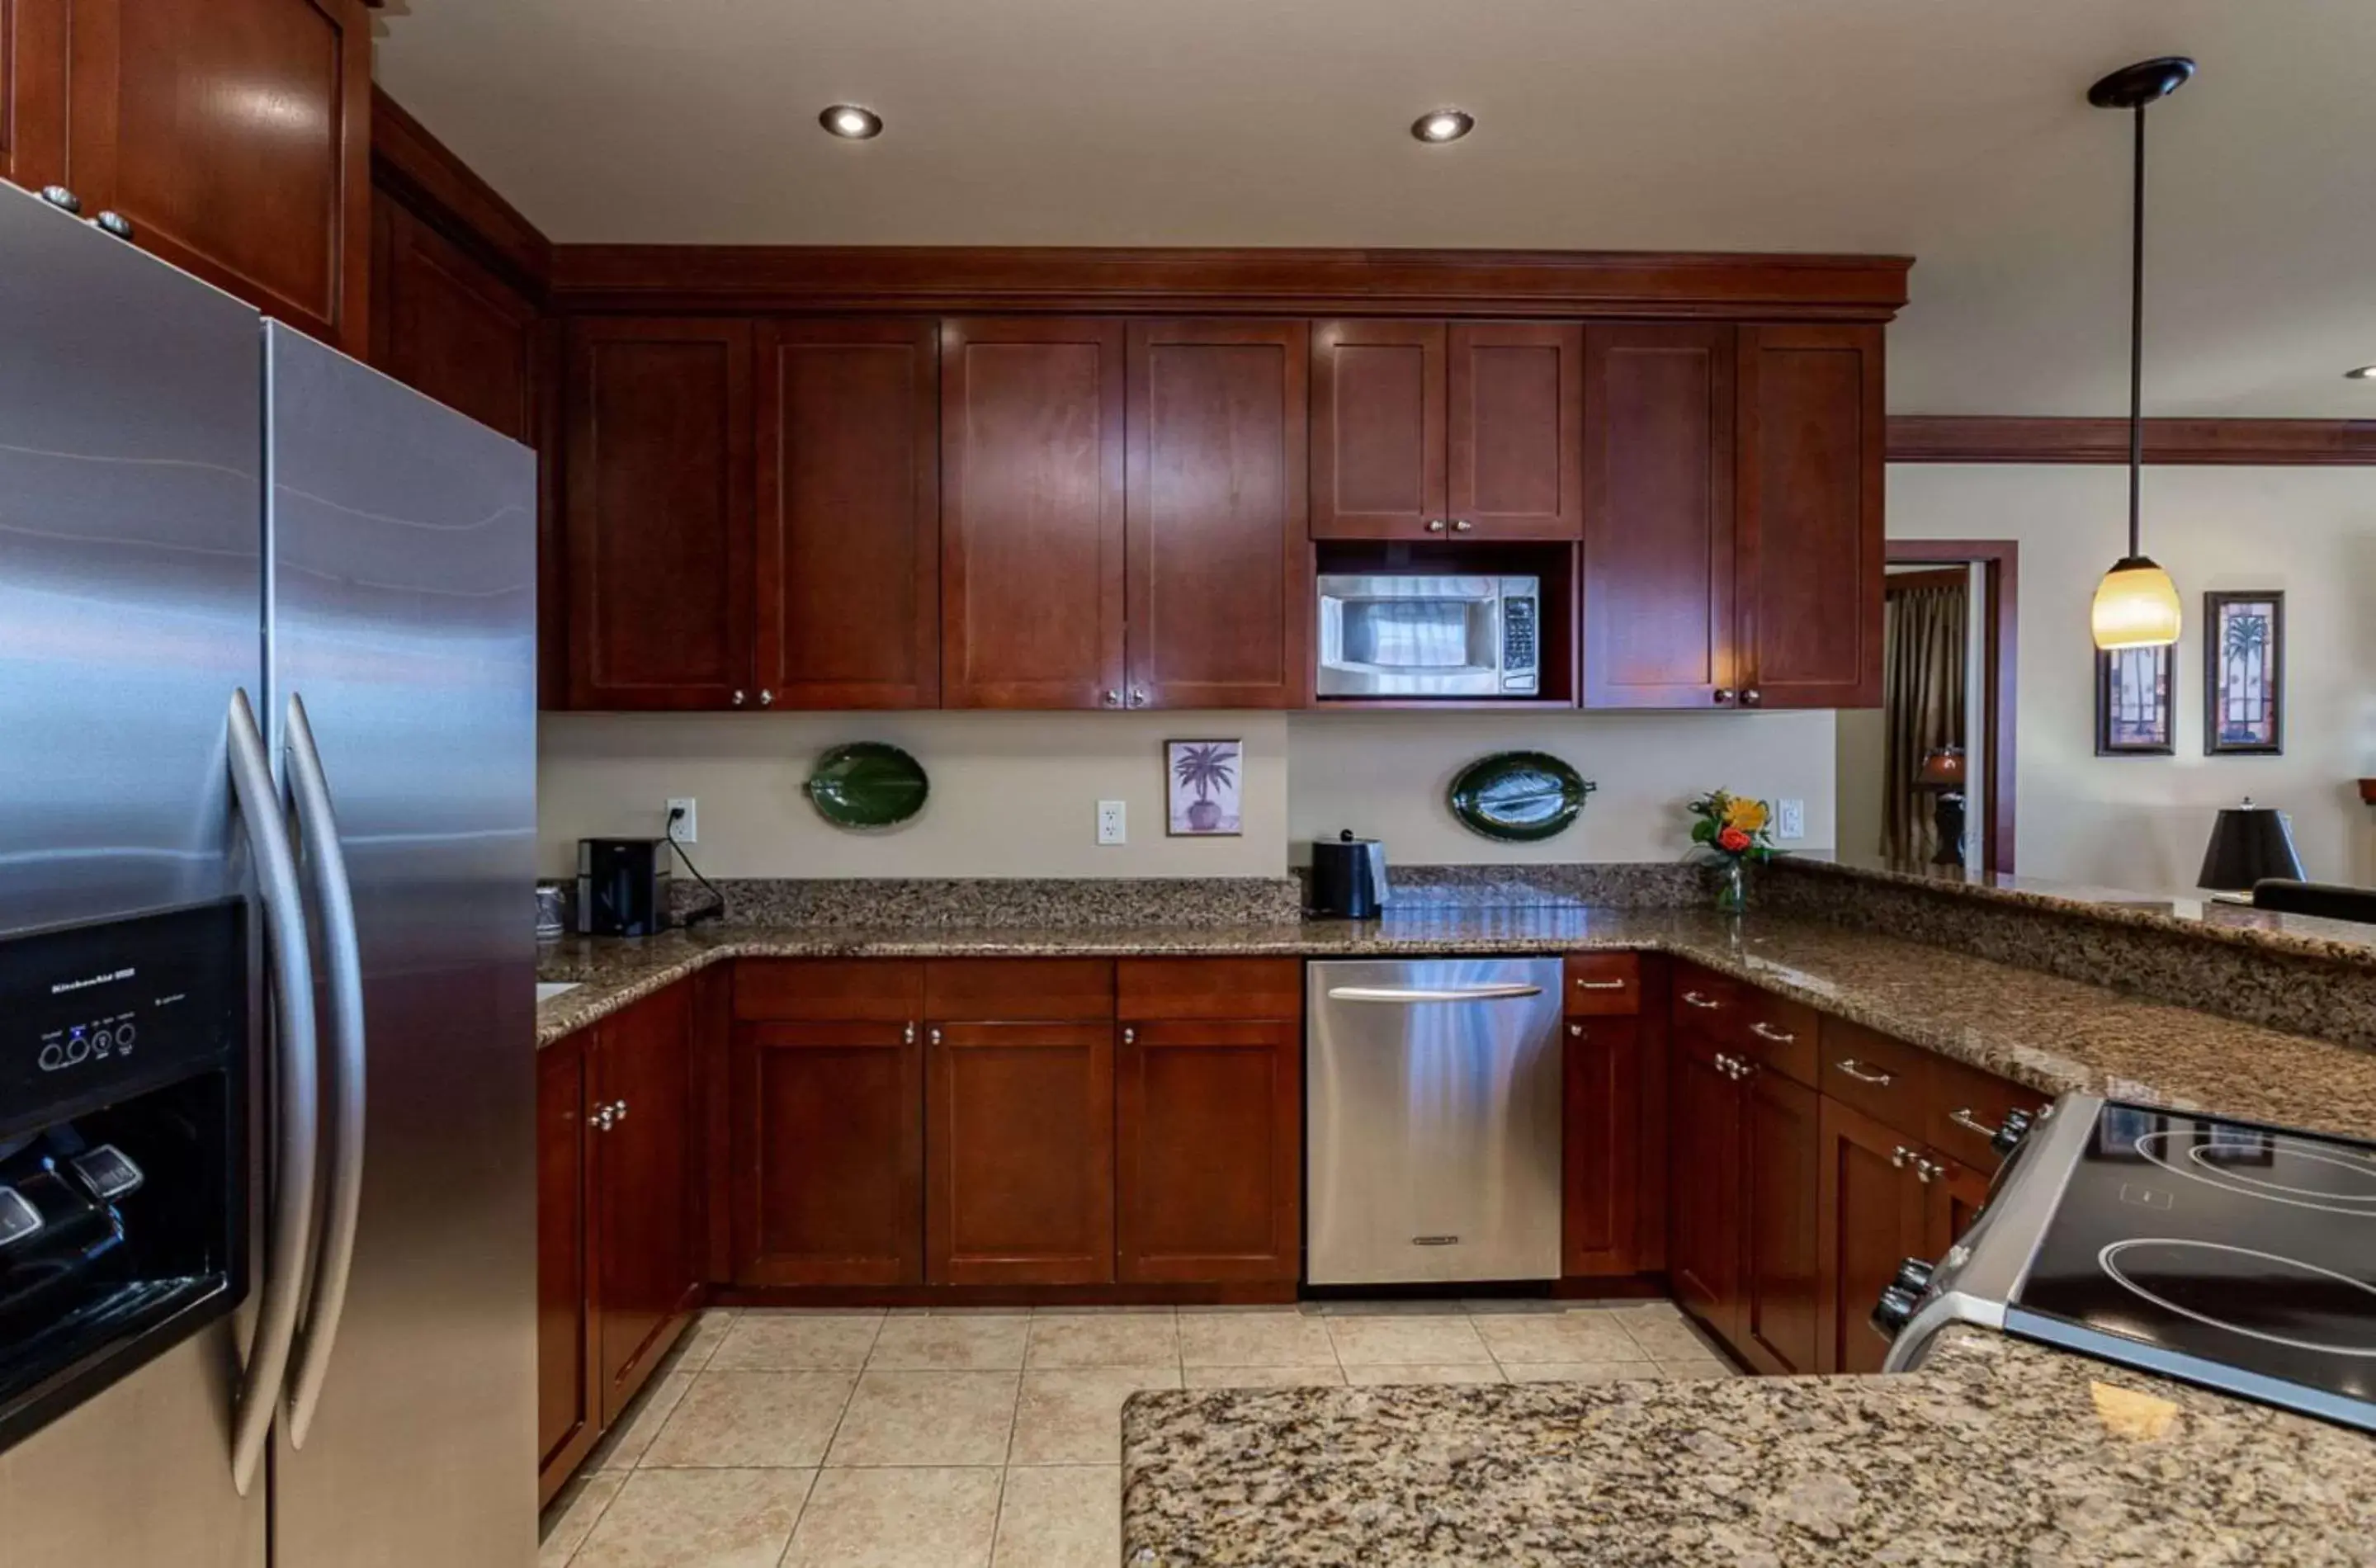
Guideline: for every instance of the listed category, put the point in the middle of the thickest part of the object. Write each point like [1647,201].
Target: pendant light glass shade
[2136,606]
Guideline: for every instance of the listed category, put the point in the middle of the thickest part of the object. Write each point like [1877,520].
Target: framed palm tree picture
[2243,674]
[1204,780]
[2136,702]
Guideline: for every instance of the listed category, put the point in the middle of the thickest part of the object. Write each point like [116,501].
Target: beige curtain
[1923,642]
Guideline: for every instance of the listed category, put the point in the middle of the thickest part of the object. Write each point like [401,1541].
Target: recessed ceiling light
[1445,124]
[2365,373]
[852,123]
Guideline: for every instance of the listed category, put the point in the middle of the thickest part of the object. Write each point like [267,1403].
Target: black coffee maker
[1349,877]
[623,886]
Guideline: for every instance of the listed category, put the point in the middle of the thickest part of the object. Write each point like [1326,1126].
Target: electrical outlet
[680,828]
[1111,827]
[1790,821]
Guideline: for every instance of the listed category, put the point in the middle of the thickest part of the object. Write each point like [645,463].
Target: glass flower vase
[1731,885]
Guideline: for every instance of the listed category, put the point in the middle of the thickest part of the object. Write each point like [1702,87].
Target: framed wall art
[2243,674]
[2135,702]
[1205,783]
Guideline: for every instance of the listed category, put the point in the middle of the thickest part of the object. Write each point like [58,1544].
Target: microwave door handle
[291,1222]
[1431,994]
[326,865]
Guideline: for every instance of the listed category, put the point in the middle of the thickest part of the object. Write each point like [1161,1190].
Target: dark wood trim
[424,173]
[2367,790]
[1066,281]
[1944,576]
[1926,438]
[2000,744]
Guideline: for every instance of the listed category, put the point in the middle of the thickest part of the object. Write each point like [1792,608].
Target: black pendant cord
[2137,336]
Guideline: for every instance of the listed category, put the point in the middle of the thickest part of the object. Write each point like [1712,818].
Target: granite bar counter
[1999,1452]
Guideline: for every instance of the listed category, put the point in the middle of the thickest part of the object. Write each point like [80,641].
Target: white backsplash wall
[1013,794]
[1385,775]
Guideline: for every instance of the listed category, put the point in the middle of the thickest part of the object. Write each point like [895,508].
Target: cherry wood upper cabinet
[1378,459]
[849,513]
[1020,1140]
[646,1269]
[1032,463]
[1515,426]
[1217,571]
[1657,446]
[829,1163]
[234,138]
[657,508]
[449,326]
[1810,550]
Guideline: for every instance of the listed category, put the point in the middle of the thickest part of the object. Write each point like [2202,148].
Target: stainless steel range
[2224,1252]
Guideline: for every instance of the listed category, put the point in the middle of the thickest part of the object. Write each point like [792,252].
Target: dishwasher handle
[1432,993]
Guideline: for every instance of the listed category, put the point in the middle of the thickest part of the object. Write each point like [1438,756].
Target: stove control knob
[1894,1311]
[1913,1277]
[2010,1135]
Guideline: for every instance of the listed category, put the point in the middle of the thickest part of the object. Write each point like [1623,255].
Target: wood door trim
[2255,443]
[2001,679]
[1066,281]
[424,173]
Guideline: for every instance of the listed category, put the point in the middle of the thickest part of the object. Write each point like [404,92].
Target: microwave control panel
[1520,636]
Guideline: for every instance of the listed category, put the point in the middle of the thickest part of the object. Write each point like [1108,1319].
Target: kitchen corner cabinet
[1429,430]
[450,326]
[147,109]
[617,1267]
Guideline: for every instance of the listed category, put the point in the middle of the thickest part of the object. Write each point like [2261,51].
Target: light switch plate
[1790,821]
[680,829]
[1112,828]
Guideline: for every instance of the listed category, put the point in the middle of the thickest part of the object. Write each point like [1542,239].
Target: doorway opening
[1929,778]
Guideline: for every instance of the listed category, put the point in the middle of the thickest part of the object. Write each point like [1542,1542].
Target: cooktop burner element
[2221,1252]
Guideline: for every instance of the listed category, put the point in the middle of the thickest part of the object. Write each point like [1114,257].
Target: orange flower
[1732,840]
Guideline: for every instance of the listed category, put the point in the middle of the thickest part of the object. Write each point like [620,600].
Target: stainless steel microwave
[1403,635]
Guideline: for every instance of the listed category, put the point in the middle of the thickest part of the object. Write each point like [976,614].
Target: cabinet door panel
[1377,429]
[1209,1151]
[1658,515]
[33,53]
[849,506]
[1873,1219]
[1514,429]
[829,1155]
[446,325]
[568,1416]
[1602,1085]
[1810,547]
[643,1206]
[1781,1293]
[1704,1238]
[1032,457]
[235,136]
[1020,1124]
[1218,567]
[658,509]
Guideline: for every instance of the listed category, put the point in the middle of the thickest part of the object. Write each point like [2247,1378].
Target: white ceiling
[1951,130]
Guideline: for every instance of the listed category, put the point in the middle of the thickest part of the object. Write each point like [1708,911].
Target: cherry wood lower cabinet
[1019,1128]
[1781,1278]
[1705,1255]
[1209,1121]
[1875,1215]
[830,1154]
[618,1268]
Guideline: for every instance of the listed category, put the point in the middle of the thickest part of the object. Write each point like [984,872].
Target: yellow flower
[1747,816]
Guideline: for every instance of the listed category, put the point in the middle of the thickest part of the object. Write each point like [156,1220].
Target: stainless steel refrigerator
[267,652]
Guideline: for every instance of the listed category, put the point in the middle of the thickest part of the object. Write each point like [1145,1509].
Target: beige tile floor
[994,1439]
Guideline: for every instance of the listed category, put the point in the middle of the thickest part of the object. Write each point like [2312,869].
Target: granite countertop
[2051,1034]
[1998,1452]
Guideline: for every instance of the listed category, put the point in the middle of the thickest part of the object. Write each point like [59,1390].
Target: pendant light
[2137,604]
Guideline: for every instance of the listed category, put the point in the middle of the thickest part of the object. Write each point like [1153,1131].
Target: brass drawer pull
[1693,999]
[1864,1074]
[1765,1030]
[1600,985]
[1971,1123]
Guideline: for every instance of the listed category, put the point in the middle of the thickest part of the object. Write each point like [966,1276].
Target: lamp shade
[1942,769]
[2136,606]
[2249,843]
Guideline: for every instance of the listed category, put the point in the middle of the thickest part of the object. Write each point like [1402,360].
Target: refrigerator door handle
[291,1222]
[325,866]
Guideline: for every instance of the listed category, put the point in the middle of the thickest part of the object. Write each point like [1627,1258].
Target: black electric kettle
[1349,877]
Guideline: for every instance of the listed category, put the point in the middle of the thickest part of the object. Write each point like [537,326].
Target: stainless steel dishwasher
[1433,1121]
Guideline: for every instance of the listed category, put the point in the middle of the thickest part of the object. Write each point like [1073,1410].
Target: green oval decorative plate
[868,784]
[1518,797]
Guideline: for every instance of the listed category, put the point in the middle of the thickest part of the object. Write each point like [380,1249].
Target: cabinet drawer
[1210,988]
[1707,1004]
[1024,989]
[1780,1033]
[1968,1105]
[1603,985]
[793,990]
[1887,1080]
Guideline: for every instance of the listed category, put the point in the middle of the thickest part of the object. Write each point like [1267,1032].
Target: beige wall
[2140,822]
[1384,775]
[1016,794]
[1862,753]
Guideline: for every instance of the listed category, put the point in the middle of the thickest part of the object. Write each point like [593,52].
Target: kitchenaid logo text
[62,987]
